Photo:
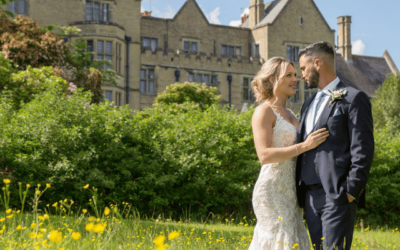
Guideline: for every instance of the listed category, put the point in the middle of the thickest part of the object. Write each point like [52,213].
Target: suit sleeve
[362,145]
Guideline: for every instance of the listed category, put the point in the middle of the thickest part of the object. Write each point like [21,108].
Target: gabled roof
[274,9]
[184,6]
[365,73]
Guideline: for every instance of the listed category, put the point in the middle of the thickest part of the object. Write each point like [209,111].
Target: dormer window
[96,11]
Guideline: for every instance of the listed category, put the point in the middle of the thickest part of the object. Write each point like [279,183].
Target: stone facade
[188,47]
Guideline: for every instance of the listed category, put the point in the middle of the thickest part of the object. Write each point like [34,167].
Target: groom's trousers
[331,226]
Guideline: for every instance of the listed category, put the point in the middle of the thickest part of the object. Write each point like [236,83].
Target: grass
[133,233]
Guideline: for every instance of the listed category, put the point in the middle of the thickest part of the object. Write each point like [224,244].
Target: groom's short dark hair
[318,48]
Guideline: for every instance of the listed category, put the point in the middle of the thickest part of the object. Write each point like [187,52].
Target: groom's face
[308,72]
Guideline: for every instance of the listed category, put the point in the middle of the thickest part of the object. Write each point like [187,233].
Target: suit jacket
[344,160]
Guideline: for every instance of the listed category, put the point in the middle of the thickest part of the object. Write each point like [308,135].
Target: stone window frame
[191,40]
[117,95]
[212,78]
[235,48]
[104,54]
[101,10]
[147,79]
[118,58]
[16,7]
[250,94]
[255,45]
[151,38]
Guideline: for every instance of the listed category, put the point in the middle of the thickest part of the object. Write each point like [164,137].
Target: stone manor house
[150,53]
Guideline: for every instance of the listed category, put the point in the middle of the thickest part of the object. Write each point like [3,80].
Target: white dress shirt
[309,118]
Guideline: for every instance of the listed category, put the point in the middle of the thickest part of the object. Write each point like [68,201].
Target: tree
[188,95]
[386,105]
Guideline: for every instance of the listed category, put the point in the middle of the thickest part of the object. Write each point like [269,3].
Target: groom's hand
[350,198]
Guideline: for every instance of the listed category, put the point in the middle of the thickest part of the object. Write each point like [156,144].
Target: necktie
[318,101]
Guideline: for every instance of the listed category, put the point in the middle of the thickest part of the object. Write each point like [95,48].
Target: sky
[375,23]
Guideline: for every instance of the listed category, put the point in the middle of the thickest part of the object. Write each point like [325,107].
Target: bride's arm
[263,122]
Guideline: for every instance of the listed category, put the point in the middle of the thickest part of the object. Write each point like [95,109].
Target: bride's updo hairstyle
[263,88]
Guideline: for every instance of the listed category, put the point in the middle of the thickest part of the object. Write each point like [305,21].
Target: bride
[279,219]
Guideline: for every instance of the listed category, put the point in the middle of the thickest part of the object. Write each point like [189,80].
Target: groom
[331,178]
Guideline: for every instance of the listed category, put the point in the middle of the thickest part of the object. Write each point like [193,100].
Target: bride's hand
[316,138]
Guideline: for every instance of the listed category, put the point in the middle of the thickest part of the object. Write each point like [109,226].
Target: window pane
[108,95]
[90,45]
[214,80]
[143,74]
[151,74]
[224,50]
[96,12]
[11,7]
[153,44]
[89,11]
[289,53]
[206,79]
[151,87]
[21,6]
[245,82]
[199,78]
[100,57]
[142,86]
[194,47]
[105,12]
[296,54]
[186,46]
[146,42]
[108,47]
[245,94]
[191,77]
[257,50]
[238,51]
[231,51]
[109,58]
[100,47]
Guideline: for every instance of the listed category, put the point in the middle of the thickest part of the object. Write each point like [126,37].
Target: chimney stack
[256,12]
[146,13]
[344,37]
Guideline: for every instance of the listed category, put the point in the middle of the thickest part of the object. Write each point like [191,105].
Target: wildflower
[55,204]
[280,218]
[32,235]
[48,185]
[38,192]
[19,227]
[106,211]
[38,185]
[86,186]
[6,181]
[2,219]
[28,185]
[159,240]
[89,226]
[323,238]
[55,236]
[33,225]
[99,228]
[41,217]
[8,211]
[84,211]
[76,235]
[46,216]
[10,216]
[295,245]
[173,235]
[91,218]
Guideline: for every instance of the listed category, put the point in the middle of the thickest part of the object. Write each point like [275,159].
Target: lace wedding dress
[279,219]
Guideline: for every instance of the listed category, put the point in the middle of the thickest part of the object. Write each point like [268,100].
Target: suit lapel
[303,117]
[327,110]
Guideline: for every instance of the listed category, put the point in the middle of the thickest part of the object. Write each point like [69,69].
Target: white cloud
[236,23]
[213,16]
[141,9]
[169,13]
[358,47]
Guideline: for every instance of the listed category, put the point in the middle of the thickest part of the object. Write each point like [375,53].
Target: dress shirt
[325,98]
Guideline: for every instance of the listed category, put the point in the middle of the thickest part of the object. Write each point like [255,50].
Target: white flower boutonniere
[336,95]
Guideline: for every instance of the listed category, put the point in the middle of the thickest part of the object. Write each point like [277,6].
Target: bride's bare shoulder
[264,113]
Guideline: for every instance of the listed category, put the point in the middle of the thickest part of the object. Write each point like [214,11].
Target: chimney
[244,18]
[256,12]
[146,13]
[344,37]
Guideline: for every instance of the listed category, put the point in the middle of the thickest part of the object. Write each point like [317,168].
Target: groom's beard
[314,79]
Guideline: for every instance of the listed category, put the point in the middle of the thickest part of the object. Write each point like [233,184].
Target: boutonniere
[336,95]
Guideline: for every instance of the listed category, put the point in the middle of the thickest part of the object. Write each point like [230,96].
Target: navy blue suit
[341,164]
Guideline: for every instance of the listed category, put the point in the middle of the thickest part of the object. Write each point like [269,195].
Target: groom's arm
[361,144]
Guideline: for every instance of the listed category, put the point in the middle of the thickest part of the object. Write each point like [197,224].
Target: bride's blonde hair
[263,88]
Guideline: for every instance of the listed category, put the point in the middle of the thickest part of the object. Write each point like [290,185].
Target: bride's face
[289,82]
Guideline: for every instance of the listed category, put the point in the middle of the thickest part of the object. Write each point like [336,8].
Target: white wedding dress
[279,219]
